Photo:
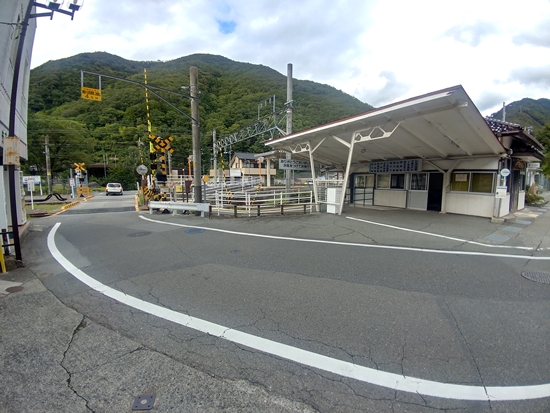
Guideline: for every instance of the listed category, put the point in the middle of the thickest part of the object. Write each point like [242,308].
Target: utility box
[334,196]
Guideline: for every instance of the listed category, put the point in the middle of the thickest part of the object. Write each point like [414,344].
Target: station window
[397,181]
[460,181]
[480,182]
[383,181]
[419,182]
[393,181]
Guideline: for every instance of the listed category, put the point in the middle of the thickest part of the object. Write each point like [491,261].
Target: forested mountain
[230,92]
[527,112]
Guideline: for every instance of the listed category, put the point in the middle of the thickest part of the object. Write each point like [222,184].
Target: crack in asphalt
[471,353]
[79,327]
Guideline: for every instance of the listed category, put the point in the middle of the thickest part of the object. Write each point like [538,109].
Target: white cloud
[379,51]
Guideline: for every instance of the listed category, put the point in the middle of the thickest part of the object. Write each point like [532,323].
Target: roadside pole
[195,131]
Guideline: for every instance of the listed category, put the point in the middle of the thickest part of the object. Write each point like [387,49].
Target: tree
[69,142]
[125,171]
[543,136]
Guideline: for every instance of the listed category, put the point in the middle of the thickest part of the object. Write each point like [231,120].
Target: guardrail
[180,206]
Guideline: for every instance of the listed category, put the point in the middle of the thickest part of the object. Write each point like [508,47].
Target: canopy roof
[440,125]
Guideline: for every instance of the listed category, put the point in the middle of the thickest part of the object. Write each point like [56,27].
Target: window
[419,182]
[480,182]
[382,180]
[460,182]
[397,181]
[393,181]
[364,181]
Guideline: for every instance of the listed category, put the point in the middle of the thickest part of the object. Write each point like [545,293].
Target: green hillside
[85,131]
[527,112]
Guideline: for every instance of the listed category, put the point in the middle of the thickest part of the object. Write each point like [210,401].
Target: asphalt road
[293,304]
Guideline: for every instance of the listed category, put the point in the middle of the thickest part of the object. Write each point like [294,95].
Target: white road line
[343,368]
[442,236]
[353,244]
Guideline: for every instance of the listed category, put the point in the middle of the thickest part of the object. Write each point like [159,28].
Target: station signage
[295,164]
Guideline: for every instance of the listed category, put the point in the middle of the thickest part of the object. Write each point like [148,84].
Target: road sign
[79,166]
[30,183]
[71,182]
[141,169]
[90,93]
[504,172]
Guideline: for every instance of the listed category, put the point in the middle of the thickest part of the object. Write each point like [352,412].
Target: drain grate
[537,276]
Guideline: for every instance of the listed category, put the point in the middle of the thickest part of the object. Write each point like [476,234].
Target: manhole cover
[537,276]
[194,230]
[139,234]
[144,402]
[14,289]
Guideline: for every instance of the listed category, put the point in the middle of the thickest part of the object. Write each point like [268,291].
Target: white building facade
[12,16]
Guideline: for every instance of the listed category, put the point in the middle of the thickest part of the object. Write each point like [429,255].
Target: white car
[113,189]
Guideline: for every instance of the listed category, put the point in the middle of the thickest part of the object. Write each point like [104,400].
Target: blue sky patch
[227,27]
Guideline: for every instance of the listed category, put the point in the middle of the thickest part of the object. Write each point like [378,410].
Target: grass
[42,208]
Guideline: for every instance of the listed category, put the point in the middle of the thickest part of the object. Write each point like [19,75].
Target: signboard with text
[90,93]
[296,164]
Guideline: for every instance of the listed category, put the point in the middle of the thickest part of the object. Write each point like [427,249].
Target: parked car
[113,189]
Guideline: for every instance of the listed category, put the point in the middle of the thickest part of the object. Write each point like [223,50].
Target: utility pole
[195,131]
[288,117]
[215,154]
[48,168]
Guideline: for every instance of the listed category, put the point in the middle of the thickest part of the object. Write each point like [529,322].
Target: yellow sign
[79,166]
[90,93]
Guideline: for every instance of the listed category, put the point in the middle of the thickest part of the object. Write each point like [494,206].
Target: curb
[72,204]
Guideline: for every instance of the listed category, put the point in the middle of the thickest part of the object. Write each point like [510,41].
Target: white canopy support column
[346,173]
[359,137]
[268,176]
[312,166]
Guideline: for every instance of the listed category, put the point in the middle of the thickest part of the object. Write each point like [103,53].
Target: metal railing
[257,203]
[241,197]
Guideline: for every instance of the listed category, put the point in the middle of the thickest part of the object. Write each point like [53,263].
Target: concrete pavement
[56,360]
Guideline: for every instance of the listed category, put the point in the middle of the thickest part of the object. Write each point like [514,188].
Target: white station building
[434,152]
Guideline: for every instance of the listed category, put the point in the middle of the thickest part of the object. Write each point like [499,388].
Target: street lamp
[11,157]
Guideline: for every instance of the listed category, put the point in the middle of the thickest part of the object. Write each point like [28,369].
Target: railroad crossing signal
[158,144]
[80,171]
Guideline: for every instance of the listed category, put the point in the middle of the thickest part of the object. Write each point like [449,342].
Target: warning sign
[90,93]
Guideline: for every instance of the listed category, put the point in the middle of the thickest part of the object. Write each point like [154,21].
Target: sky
[380,51]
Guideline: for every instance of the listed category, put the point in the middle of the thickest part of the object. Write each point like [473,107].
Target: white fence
[256,203]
